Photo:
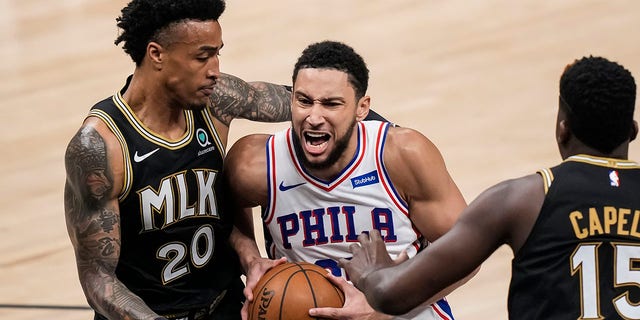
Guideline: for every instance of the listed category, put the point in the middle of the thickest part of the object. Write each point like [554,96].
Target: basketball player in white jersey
[332,176]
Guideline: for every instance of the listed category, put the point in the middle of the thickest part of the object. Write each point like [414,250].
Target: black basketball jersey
[582,258]
[174,249]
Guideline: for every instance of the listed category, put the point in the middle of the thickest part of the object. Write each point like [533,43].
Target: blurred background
[479,78]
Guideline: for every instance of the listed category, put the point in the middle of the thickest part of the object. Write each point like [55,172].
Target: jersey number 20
[176,252]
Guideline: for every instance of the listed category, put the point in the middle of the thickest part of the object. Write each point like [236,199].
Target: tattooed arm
[257,101]
[93,223]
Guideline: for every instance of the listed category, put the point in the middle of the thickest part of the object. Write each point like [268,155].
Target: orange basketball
[289,290]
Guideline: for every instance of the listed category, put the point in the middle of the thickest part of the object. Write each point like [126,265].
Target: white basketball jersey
[309,219]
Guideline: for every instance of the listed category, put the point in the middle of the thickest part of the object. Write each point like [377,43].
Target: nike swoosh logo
[282,187]
[138,158]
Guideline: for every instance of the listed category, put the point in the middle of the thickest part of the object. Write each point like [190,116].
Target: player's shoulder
[410,142]
[403,131]
[92,133]
[96,121]
[519,185]
[247,149]
[520,193]
[400,132]
[246,164]
[250,142]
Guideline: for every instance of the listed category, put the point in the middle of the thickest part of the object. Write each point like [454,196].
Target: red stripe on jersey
[441,313]
[383,178]
[272,176]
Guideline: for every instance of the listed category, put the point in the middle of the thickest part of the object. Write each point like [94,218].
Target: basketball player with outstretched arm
[574,228]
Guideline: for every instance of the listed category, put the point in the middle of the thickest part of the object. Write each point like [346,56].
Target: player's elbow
[388,303]
[383,298]
[97,278]
[91,292]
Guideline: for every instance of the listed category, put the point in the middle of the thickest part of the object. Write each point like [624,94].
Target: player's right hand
[369,254]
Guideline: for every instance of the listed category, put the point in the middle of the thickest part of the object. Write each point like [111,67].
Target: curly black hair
[142,21]
[338,56]
[598,97]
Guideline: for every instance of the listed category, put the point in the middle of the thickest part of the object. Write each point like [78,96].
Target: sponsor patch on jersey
[365,179]
[203,140]
[203,137]
[203,151]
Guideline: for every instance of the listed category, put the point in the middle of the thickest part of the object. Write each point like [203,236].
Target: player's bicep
[436,214]
[434,200]
[486,222]
[91,208]
[474,237]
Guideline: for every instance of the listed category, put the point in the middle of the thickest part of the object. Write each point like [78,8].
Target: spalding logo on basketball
[289,290]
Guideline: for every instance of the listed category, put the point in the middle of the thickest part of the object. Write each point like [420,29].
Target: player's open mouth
[316,142]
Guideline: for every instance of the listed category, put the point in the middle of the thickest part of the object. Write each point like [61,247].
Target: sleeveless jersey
[174,249]
[309,219]
[582,258]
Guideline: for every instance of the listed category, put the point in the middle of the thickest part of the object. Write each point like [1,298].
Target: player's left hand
[257,269]
[370,255]
[355,304]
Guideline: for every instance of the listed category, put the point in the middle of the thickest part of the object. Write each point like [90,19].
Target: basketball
[289,290]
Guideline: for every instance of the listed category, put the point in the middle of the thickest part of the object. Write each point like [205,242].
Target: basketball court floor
[479,78]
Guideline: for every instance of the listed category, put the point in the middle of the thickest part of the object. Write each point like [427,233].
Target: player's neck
[620,152]
[153,107]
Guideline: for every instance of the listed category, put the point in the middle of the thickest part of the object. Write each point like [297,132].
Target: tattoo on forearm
[229,96]
[259,101]
[274,103]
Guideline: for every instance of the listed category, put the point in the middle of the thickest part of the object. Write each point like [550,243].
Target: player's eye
[332,104]
[305,102]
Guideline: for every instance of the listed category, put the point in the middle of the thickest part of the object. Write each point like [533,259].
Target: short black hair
[141,21]
[338,56]
[599,98]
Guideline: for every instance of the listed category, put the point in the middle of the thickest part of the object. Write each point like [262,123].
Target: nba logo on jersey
[614,179]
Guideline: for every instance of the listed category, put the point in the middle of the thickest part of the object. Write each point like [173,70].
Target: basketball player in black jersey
[142,198]
[574,228]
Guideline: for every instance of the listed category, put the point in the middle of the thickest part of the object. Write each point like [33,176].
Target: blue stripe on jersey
[443,305]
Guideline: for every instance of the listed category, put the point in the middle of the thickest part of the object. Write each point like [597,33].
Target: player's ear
[154,53]
[362,109]
[634,131]
[563,133]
